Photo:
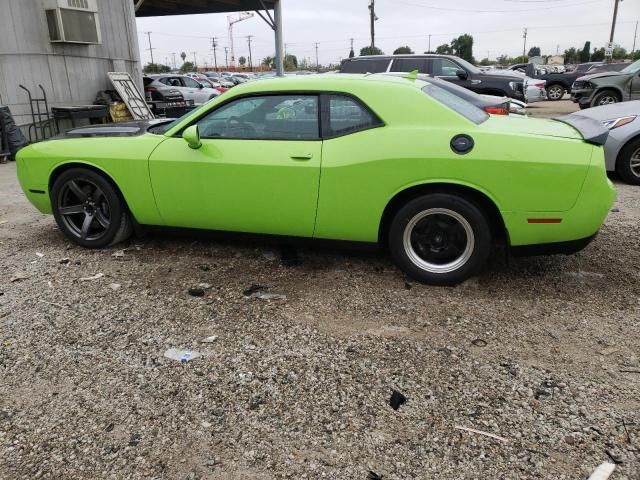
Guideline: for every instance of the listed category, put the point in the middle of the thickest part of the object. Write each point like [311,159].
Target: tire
[605,97]
[628,162]
[555,92]
[89,210]
[454,245]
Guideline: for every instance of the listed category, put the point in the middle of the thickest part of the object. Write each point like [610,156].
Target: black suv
[447,67]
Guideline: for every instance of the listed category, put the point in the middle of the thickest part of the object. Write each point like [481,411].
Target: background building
[67,46]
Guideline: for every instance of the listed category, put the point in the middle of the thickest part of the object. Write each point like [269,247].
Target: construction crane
[233,19]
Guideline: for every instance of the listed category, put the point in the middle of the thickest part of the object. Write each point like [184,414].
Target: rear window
[410,64]
[369,65]
[457,104]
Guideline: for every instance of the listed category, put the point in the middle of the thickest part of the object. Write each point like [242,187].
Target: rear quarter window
[369,65]
[457,104]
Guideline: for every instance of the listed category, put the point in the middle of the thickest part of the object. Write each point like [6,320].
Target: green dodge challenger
[377,159]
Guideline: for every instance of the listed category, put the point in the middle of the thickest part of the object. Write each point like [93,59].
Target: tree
[620,53]
[156,68]
[444,49]
[269,62]
[187,67]
[534,52]
[463,47]
[598,55]
[290,62]
[635,55]
[352,53]
[402,50]
[242,61]
[585,54]
[485,62]
[183,56]
[371,51]
[504,60]
[571,56]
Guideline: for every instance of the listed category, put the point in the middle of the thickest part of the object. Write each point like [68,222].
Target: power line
[433,7]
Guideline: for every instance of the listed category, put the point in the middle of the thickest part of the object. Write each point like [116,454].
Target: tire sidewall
[623,163]
[555,87]
[116,206]
[477,220]
[596,99]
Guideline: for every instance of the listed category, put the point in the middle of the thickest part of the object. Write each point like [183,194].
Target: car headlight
[618,122]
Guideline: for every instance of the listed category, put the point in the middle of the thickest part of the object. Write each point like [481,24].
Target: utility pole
[373,18]
[615,17]
[557,49]
[226,57]
[635,36]
[317,63]
[285,50]
[249,37]
[150,48]
[195,63]
[174,60]
[214,45]
[429,50]
[524,47]
[351,40]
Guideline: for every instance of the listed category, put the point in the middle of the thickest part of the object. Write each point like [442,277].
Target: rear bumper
[557,248]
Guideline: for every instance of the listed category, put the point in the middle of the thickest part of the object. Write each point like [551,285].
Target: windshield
[633,68]
[469,67]
[455,103]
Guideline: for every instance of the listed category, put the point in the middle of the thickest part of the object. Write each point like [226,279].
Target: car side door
[634,89]
[200,95]
[448,70]
[257,169]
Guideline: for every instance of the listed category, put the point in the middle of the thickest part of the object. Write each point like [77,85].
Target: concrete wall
[71,74]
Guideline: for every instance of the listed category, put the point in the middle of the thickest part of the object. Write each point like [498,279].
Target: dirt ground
[542,352]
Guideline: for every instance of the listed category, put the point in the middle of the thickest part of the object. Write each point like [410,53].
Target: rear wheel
[628,162]
[606,97]
[88,209]
[555,92]
[440,239]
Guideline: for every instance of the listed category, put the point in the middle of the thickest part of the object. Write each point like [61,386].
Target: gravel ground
[541,351]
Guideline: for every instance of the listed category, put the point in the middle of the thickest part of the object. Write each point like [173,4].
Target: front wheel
[88,209]
[555,92]
[606,97]
[440,239]
[628,163]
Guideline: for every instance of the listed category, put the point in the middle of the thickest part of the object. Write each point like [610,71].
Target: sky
[497,27]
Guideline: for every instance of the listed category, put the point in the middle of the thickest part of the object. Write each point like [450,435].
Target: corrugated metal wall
[71,74]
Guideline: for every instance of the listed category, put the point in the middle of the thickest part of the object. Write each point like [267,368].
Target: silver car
[622,149]
[190,88]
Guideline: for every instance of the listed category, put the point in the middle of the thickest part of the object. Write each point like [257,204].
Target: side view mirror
[192,136]
[462,74]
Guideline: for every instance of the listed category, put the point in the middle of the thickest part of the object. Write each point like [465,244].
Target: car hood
[594,76]
[608,112]
[123,129]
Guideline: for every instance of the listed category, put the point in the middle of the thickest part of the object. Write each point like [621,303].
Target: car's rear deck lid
[591,130]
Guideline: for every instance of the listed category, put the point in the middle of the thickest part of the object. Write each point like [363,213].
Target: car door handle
[301,156]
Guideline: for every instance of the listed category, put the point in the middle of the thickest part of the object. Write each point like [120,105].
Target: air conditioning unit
[73,21]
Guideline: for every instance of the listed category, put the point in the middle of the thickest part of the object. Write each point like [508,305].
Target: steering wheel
[239,127]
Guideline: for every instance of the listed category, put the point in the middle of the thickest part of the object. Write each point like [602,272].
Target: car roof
[324,82]
[400,55]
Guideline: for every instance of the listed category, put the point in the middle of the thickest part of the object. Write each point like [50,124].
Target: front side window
[346,115]
[190,82]
[443,67]
[268,117]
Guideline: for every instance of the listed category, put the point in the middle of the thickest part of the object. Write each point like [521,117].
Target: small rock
[211,339]
[64,261]
[196,292]
[94,277]
[270,296]
[615,210]
[253,289]
[114,286]
[205,424]
[118,254]
[18,276]
[39,255]
[397,399]
[608,351]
